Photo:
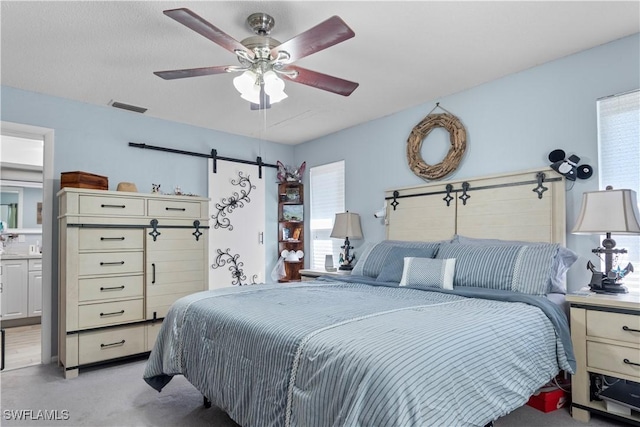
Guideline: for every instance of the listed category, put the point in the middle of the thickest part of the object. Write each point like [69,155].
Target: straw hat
[127,186]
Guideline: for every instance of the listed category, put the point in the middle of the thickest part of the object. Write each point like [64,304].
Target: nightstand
[605,331]
[308,274]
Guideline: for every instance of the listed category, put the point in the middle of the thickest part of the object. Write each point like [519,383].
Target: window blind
[619,164]
[327,199]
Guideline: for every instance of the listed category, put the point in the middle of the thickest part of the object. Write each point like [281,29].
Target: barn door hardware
[448,198]
[197,233]
[395,202]
[540,188]
[464,197]
[154,233]
[213,155]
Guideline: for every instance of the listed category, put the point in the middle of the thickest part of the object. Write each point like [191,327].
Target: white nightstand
[308,274]
[605,331]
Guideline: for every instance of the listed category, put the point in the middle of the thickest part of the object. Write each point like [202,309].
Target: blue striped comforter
[350,354]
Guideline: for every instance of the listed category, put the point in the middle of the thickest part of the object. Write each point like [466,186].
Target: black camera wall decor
[568,167]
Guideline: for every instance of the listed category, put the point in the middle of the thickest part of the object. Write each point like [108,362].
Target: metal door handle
[628,329]
[112,344]
[153,273]
[175,209]
[112,238]
[112,288]
[112,263]
[115,313]
[113,206]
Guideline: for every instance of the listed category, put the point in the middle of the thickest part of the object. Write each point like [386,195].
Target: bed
[454,331]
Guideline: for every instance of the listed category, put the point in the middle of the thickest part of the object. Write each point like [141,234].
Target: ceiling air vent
[129,107]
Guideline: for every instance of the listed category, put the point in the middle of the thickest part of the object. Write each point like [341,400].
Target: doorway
[28,258]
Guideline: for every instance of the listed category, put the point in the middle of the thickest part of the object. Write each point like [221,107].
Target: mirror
[21,183]
[21,206]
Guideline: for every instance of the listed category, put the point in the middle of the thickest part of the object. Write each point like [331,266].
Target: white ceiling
[404,53]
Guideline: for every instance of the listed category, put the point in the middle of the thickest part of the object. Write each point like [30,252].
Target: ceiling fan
[263,60]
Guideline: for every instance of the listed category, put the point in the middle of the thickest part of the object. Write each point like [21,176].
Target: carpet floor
[116,395]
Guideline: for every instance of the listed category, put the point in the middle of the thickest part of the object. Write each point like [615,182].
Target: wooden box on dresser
[124,258]
[605,332]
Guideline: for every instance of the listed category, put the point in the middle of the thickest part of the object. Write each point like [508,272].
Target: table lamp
[606,212]
[345,226]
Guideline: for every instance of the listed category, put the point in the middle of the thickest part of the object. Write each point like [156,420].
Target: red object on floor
[547,401]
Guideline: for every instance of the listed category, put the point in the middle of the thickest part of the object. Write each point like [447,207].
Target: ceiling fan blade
[191,72]
[199,25]
[324,35]
[321,81]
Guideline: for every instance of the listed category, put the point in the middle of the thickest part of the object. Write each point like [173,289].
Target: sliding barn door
[236,235]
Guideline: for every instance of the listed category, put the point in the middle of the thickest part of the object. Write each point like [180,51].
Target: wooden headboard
[527,206]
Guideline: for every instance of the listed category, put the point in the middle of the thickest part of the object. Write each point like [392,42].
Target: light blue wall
[95,139]
[512,124]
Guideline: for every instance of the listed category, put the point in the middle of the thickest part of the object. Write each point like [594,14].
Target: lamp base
[606,288]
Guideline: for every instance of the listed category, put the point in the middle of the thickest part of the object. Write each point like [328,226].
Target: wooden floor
[22,347]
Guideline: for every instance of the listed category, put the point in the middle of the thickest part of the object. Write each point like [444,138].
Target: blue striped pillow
[518,268]
[394,263]
[374,258]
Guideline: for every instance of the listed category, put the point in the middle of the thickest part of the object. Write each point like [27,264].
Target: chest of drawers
[124,259]
[605,332]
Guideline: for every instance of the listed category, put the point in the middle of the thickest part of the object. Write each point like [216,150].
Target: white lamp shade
[347,224]
[245,82]
[608,211]
[274,87]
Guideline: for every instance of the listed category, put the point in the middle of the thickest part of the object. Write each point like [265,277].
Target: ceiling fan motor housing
[261,23]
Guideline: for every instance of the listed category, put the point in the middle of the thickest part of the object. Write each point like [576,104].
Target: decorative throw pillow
[563,259]
[428,272]
[373,259]
[518,268]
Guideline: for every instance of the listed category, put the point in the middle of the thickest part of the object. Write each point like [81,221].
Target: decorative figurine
[289,174]
[155,188]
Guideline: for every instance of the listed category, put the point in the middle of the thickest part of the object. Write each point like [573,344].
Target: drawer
[102,263]
[96,346]
[111,206]
[611,357]
[613,326]
[174,209]
[102,288]
[110,238]
[35,265]
[109,313]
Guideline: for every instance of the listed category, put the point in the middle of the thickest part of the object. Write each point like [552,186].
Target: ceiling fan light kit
[264,61]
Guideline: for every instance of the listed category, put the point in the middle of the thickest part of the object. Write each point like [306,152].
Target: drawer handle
[175,209]
[112,288]
[112,238]
[115,313]
[628,362]
[153,273]
[112,344]
[628,329]
[113,206]
[112,263]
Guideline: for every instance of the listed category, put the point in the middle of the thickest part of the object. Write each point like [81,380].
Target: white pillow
[428,272]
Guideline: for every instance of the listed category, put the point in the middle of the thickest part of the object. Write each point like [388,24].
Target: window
[619,163]
[327,199]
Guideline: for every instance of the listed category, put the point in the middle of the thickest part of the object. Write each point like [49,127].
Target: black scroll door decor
[235,267]
[237,200]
